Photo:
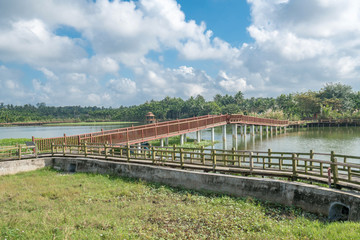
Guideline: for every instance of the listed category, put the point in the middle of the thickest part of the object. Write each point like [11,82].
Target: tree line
[334,100]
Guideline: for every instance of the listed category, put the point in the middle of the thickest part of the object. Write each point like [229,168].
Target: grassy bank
[49,205]
[190,143]
[88,123]
[13,141]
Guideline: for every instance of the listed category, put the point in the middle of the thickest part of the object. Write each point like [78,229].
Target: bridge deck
[160,130]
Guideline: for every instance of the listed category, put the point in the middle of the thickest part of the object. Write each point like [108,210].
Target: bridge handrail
[157,130]
[345,170]
[103,136]
[254,120]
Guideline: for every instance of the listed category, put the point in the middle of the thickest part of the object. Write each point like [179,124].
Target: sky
[113,53]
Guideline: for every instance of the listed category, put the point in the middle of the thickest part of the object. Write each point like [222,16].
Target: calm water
[341,140]
[52,131]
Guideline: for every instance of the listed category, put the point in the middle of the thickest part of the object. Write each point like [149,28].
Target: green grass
[190,143]
[13,141]
[46,204]
[87,123]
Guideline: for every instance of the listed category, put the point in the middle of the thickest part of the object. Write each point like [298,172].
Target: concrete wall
[26,165]
[308,197]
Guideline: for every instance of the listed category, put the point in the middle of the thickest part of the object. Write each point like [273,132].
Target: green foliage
[13,141]
[47,204]
[334,100]
[272,114]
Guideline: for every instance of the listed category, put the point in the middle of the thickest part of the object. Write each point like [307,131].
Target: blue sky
[112,53]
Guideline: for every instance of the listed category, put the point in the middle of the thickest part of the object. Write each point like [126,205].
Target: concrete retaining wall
[308,197]
[25,165]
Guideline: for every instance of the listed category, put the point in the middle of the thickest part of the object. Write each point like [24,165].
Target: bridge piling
[224,135]
[252,130]
[162,142]
[234,135]
[198,136]
[212,135]
[182,139]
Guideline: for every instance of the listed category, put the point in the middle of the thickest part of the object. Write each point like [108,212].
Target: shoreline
[62,123]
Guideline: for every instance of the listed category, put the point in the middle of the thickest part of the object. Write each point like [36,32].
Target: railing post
[63,148]
[334,168]
[233,156]
[85,149]
[33,140]
[202,155]
[181,158]
[19,151]
[173,153]
[349,174]
[294,166]
[251,162]
[311,157]
[269,158]
[153,155]
[214,159]
[52,149]
[128,152]
[105,149]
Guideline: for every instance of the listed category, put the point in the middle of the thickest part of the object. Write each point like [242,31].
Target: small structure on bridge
[150,118]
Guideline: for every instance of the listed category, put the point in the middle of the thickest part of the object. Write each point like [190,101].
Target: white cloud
[31,42]
[301,45]
[122,86]
[233,84]
[49,74]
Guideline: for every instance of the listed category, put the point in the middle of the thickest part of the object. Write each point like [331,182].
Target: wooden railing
[154,131]
[238,118]
[344,170]
[17,152]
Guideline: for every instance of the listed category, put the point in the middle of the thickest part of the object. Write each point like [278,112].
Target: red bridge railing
[142,133]
[238,118]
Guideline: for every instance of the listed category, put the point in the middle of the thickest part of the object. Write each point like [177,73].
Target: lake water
[342,140]
[53,131]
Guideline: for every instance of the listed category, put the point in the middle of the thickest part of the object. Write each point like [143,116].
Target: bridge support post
[245,129]
[234,135]
[185,139]
[252,130]
[161,142]
[182,139]
[261,130]
[267,130]
[271,130]
[198,136]
[224,135]
[285,129]
[212,135]
[167,141]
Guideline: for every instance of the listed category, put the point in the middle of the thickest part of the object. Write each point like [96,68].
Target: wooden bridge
[148,132]
[328,168]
